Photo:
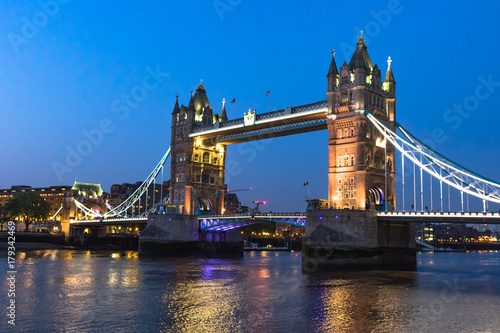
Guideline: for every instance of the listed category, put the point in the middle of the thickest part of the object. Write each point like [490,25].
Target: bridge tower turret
[197,166]
[361,164]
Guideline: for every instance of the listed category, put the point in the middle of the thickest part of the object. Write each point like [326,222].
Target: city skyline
[71,77]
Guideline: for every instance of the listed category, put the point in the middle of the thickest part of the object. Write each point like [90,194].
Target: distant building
[61,200]
[317,204]
[54,195]
[446,232]
[232,204]
[155,194]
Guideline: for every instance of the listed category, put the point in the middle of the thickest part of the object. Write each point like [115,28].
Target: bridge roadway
[441,217]
[291,120]
[231,221]
[210,222]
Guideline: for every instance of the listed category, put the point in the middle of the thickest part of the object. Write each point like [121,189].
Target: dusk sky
[64,69]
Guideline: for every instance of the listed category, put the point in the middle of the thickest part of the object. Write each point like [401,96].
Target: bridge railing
[396,213]
[250,215]
[117,219]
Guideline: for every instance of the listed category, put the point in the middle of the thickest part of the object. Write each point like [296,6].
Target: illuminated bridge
[367,149]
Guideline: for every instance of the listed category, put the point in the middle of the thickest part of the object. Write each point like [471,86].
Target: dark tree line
[29,207]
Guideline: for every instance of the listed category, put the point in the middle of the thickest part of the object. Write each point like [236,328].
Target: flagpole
[234,113]
[269,100]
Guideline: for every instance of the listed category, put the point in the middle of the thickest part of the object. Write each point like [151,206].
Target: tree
[30,206]
[4,216]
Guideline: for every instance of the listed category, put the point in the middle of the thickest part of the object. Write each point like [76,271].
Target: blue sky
[60,80]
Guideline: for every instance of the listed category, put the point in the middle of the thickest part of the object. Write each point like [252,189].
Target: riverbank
[27,241]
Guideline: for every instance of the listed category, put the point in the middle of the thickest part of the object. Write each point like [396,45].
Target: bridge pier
[355,239]
[179,235]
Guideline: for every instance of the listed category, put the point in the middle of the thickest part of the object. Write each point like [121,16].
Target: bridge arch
[376,195]
[202,205]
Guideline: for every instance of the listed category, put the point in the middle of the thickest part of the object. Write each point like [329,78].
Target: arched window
[206,157]
[196,158]
[346,161]
[352,160]
[216,160]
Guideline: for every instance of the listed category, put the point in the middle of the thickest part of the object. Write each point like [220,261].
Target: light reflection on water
[84,291]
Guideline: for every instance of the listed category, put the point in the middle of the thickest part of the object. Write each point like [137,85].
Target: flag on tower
[233,101]
[306,183]
[267,93]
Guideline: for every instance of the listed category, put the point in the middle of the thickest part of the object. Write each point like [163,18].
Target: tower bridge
[362,222]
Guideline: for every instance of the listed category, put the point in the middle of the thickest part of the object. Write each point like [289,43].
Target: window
[339,163]
[206,157]
[344,97]
[196,157]
[216,160]
[351,180]
[339,133]
[352,160]
[346,161]
[340,181]
[352,131]
[350,96]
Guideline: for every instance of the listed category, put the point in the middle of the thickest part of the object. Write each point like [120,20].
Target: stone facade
[197,167]
[180,235]
[359,164]
[354,239]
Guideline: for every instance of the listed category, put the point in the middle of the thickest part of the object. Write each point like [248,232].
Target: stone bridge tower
[361,164]
[197,166]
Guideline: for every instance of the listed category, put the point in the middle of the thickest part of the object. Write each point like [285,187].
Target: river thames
[86,291]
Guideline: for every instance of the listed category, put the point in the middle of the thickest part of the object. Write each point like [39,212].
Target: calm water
[78,291]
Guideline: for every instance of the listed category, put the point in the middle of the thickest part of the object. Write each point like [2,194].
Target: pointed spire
[223,115]
[176,107]
[389,77]
[191,102]
[360,57]
[333,66]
